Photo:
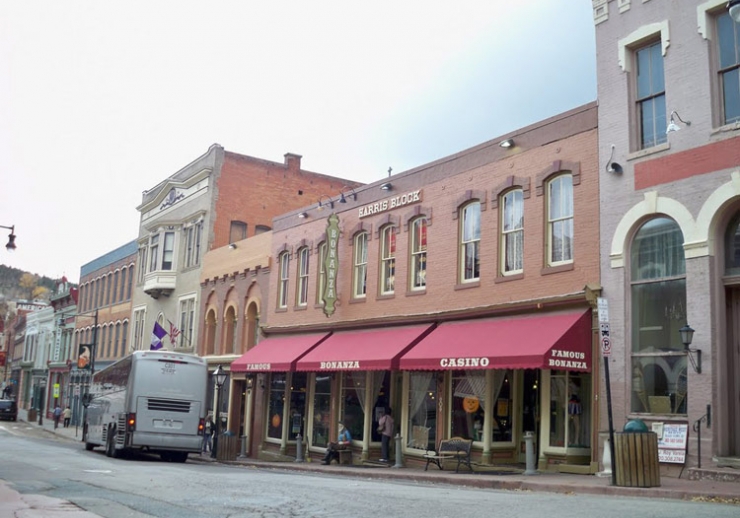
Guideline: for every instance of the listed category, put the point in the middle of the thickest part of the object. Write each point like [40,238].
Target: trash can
[228,446]
[636,452]
[32,415]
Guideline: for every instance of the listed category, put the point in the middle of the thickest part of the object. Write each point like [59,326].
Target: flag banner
[157,334]
[83,356]
[174,333]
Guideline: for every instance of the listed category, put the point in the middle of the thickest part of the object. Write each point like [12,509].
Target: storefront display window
[422,400]
[381,397]
[276,405]
[468,401]
[502,406]
[570,415]
[297,404]
[321,411]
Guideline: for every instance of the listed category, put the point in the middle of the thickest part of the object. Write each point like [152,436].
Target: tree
[28,283]
[40,292]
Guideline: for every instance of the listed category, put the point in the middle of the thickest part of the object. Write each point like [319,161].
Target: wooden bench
[345,455]
[455,448]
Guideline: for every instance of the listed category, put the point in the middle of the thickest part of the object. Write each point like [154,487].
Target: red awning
[276,354]
[560,341]
[376,349]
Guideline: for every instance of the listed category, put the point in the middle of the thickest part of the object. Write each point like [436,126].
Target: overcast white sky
[100,101]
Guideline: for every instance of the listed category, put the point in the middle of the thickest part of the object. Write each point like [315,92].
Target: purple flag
[157,334]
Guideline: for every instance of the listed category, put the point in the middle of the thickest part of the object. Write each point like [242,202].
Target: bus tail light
[201,426]
[131,422]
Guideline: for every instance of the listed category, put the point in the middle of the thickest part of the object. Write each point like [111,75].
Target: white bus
[151,401]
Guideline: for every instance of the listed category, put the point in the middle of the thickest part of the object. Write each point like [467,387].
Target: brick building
[669,142]
[458,293]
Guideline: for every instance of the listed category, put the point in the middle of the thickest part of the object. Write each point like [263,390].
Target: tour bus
[150,401]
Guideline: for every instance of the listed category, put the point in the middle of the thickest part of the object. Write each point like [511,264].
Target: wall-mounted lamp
[672,125]
[303,215]
[10,247]
[611,166]
[387,186]
[328,203]
[506,144]
[232,246]
[733,6]
[687,334]
[351,194]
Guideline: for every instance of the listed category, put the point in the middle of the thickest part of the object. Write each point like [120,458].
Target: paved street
[38,463]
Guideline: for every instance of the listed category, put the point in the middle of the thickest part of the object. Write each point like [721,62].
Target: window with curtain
[512,232]
[302,291]
[418,248]
[560,220]
[387,260]
[154,252]
[470,242]
[275,405]
[168,251]
[422,406]
[321,277]
[359,277]
[650,95]
[728,52]
[381,398]
[282,299]
[354,385]
[468,401]
[658,306]
[321,410]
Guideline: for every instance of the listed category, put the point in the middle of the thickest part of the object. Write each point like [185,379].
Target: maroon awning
[277,354]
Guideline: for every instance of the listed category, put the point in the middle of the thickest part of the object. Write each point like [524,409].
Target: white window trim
[635,38]
[550,222]
[463,244]
[387,256]
[283,278]
[303,271]
[184,300]
[704,16]
[505,233]
[359,267]
[415,228]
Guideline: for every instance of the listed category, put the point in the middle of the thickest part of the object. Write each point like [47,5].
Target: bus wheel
[179,456]
[110,444]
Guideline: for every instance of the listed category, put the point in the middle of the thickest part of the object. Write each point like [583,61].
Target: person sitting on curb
[343,441]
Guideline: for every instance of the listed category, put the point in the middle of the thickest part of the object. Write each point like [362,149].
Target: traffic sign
[603,308]
[605,339]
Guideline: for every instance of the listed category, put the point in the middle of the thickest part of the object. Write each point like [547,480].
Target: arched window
[470,242]
[658,291]
[282,299]
[359,275]
[387,260]
[512,232]
[560,220]
[732,247]
[302,287]
[210,332]
[251,329]
[238,231]
[230,331]
[418,250]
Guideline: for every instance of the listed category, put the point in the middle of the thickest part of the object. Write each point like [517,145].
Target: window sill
[318,306]
[281,310]
[467,285]
[386,296]
[508,278]
[358,300]
[300,308]
[649,151]
[548,270]
[414,293]
[727,128]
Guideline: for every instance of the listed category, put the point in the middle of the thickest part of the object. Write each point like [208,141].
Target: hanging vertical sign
[331,265]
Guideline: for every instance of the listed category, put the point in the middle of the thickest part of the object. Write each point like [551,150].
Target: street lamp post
[220,377]
[42,396]
[11,238]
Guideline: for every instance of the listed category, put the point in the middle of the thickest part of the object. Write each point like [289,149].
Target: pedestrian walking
[57,416]
[67,415]
[385,427]
[207,432]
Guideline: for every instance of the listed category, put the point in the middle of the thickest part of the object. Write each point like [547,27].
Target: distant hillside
[11,288]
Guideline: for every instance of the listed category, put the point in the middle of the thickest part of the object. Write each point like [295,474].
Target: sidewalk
[702,490]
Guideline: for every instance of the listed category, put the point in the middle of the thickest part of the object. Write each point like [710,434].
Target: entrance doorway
[732,373]
[530,409]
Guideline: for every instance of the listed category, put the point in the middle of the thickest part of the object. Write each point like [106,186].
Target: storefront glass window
[353,403]
[297,404]
[502,405]
[381,396]
[275,406]
[570,413]
[321,411]
[468,401]
[422,399]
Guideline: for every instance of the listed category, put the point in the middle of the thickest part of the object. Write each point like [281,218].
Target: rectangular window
[470,242]
[275,405]
[168,250]
[650,94]
[124,335]
[139,320]
[187,322]
[418,275]
[388,260]
[114,288]
[238,231]
[322,422]
[353,388]
[192,236]
[141,265]
[359,281]
[283,281]
[321,282]
[728,41]
[303,276]
[560,220]
[153,253]
[512,232]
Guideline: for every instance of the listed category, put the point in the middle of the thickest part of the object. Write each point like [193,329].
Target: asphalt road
[35,462]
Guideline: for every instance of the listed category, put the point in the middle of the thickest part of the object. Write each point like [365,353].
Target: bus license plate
[167,424]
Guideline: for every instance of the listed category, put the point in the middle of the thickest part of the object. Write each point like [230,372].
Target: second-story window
[141,265]
[321,280]
[650,95]
[153,252]
[283,280]
[192,237]
[388,260]
[302,298]
[168,251]
[470,242]
[512,232]
[418,277]
[359,279]
[560,220]
[728,41]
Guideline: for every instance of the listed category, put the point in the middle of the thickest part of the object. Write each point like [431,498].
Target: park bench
[455,448]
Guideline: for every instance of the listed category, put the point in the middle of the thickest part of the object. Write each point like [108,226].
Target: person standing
[67,415]
[385,427]
[207,432]
[57,416]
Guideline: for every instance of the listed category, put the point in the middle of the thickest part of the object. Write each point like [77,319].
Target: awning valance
[277,354]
